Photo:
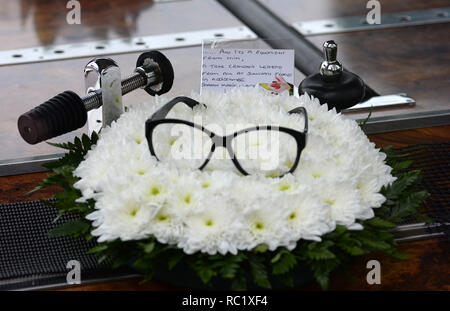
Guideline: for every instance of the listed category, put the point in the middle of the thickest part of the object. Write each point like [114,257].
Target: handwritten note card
[223,69]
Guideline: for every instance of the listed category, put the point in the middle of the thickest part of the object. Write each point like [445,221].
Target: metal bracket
[383,101]
[104,74]
[121,46]
[406,121]
[358,23]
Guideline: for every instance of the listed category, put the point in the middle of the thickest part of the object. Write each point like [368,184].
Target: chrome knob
[330,69]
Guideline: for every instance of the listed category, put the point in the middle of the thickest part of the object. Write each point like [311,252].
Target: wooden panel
[411,137]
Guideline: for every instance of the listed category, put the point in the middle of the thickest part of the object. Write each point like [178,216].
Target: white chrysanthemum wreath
[218,210]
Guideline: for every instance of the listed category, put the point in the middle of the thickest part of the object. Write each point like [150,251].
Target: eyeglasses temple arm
[162,112]
[305,114]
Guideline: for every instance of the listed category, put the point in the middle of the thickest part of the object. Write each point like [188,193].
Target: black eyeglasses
[268,149]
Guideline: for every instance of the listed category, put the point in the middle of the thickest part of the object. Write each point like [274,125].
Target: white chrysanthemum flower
[214,229]
[308,217]
[344,201]
[122,216]
[265,222]
[218,210]
[185,195]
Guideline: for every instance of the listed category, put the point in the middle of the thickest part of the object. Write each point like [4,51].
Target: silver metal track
[358,23]
[406,121]
[120,46]
[417,231]
[394,100]
[26,165]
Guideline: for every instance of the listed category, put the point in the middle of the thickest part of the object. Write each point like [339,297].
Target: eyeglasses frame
[159,117]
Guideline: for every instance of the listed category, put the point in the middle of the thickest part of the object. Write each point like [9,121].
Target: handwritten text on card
[223,69]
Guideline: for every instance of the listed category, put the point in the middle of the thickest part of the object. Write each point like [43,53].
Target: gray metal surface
[406,121]
[383,101]
[104,74]
[120,46]
[358,23]
[414,232]
[26,165]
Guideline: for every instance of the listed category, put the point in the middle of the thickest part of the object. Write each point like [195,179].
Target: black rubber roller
[62,114]
[165,67]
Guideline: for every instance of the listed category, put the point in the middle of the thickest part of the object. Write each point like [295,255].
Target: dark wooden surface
[411,60]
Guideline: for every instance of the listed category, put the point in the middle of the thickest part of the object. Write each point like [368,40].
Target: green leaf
[276,258]
[239,283]
[363,123]
[287,279]
[320,251]
[323,280]
[400,166]
[261,248]
[174,259]
[37,188]
[322,270]
[374,244]
[286,263]
[259,272]
[148,247]
[78,143]
[228,271]
[340,230]
[353,250]
[206,274]
[98,249]
[380,223]
[74,228]
[86,142]
[102,259]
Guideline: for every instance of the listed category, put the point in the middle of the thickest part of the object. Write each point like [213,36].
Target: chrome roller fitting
[102,103]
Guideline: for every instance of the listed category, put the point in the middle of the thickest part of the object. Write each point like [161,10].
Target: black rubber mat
[434,162]
[30,258]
